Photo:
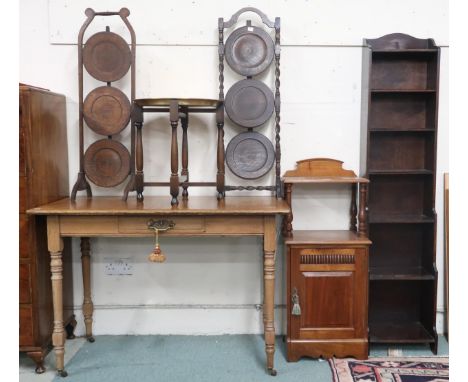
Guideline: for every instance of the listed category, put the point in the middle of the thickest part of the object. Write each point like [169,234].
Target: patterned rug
[391,369]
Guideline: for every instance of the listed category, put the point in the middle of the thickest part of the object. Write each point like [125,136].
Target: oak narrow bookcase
[398,155]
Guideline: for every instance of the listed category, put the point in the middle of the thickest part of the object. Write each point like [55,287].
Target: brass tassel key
[157,256]
[296,310]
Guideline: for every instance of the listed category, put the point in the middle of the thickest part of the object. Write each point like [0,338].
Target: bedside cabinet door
[331,289]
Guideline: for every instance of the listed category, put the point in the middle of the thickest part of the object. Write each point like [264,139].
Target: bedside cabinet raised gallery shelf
[43,178]
[399,149]
[327,272]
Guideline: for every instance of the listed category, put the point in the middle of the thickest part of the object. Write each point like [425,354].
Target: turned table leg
[269,247]
[87,301]
[55,247]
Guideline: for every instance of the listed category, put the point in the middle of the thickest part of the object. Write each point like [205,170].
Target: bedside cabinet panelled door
[330,285]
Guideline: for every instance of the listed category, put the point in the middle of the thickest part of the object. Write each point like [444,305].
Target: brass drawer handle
[156,256]
[160,224]
[296,309]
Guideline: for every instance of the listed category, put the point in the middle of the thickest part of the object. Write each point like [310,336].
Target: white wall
[212,285]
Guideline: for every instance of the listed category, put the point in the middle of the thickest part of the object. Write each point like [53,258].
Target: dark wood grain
[331,284]
[174,179]
[249,50]
[399,141]
[249,103]
[185,152]
[24,229]
[24,283]
[250,155]
[43,179]
[401,111]
[106,56]
[106,110]
[107,163]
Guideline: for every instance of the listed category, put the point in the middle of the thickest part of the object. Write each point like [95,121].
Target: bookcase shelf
[404,332]
[407,91]
[398,143]
[399,273]
[400,172]
[400,218]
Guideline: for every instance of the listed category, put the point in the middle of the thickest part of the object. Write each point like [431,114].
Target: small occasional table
[178,108]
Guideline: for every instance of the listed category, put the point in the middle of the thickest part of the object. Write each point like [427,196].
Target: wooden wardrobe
[43,178]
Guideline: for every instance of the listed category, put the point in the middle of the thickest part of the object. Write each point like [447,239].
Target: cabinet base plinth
[355,348]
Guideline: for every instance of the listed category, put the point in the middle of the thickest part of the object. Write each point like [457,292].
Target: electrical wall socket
[122,266]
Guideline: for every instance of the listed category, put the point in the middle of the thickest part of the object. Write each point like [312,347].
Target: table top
[330,237]
[190,102]
[195,205]
[323,179]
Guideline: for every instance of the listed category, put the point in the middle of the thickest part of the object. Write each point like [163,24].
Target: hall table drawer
[138,225]
[182,224]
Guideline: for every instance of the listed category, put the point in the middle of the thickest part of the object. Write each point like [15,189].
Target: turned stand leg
[139,176]
[362,226]
[174,180]
[287,221]
[269,247]
[87,301]
[220,177]
[55,247]
[353,208]
[131,183]
[185,173]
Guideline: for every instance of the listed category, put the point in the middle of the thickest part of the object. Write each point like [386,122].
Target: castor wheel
[62,373]
[90,339]
[40,369]
[70,329]
[272,372]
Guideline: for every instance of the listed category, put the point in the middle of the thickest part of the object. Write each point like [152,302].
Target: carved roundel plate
[106,56]
[249,50]
[106,110]
[249,103]
[250,155]
[107,163]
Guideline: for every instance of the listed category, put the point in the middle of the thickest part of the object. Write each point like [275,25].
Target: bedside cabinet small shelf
[327,273]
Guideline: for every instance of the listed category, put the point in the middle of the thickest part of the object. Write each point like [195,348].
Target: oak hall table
[198,216]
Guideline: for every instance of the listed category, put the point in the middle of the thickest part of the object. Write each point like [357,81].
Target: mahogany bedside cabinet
[327,273]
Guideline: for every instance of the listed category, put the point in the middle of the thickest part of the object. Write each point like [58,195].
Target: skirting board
[153,320]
